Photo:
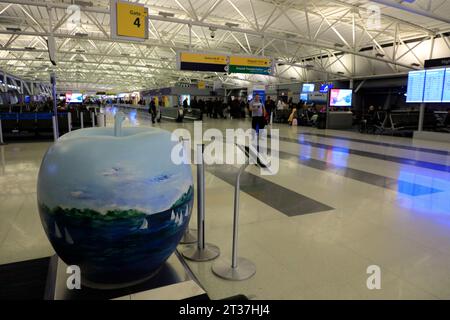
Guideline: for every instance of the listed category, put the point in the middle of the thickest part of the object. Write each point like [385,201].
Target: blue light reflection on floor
[402,160]
[430,202]
[336,162]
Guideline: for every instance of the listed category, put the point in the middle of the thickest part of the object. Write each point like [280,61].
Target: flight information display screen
[416,84]
[434,85]
[446,93]
[429,86]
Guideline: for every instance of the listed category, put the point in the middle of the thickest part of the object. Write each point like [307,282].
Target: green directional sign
[249,70]
[251,65]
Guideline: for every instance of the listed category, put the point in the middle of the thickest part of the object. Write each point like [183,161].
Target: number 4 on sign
[137,23]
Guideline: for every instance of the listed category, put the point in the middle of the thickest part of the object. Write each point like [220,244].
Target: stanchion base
[193,253]
[245,269]
[188,238]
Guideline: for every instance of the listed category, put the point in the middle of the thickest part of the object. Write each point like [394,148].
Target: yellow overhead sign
[201,85]
[250,61]
[131,20]
[203,58]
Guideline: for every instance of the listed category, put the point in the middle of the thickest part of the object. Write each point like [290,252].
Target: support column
[421,116]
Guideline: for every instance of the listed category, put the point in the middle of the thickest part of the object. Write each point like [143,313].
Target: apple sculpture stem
[118,120]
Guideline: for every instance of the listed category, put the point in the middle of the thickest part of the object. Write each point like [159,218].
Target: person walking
[152,110]
[270,107]
[201,106]
[257,111]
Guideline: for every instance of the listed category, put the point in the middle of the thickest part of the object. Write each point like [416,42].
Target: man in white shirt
[257,109]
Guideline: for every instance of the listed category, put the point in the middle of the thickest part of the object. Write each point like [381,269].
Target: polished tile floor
[340,203]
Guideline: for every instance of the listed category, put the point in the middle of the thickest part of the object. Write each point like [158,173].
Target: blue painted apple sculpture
[113,202]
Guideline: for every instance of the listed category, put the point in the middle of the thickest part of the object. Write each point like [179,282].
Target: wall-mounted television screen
[184,97]
[324,88]
[341,97]
[304,96]
[308,87]
[72,97]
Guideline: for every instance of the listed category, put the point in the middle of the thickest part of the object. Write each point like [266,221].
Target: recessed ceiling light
[166,14]
[231,25]
[83,3]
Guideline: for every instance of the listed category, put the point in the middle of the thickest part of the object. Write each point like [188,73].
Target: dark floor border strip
[280,198]
[400,160]
[377,143]
[24,280]
[404,187]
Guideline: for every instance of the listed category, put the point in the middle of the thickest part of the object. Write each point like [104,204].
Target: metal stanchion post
[55,109]
[1,133]
[55,134]
[240,268]
[2,150]
[203,251]
[82,120]
[69,121]
[188,237]
[93,118]
[104,122]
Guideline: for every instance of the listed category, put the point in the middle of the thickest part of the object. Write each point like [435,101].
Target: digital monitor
[261,94]
[446,93]
[324,88]
[341,97]
[416,84]
[184,97]
[74,97]
[304,96]
[308,87]
[434,85]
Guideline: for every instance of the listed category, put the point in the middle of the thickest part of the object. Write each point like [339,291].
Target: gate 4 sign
[129,21]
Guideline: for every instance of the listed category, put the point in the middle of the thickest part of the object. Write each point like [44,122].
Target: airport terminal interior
[120,122]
